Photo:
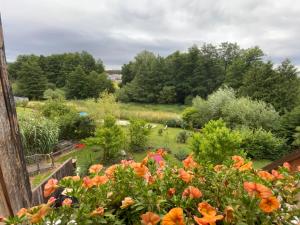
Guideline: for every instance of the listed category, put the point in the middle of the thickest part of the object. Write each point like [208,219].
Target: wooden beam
[15,190]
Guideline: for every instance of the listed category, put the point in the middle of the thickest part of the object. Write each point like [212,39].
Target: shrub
[181,155]
[39,135]
[54,94]
[109,137]
[138,134]
[215,143]
[296,137]
[182,136]
[55,108]
[261,144]
[175,123]
[128,192]
[236,112]
[73,126]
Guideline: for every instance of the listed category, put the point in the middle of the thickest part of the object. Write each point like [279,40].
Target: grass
[37,179]
[258,164]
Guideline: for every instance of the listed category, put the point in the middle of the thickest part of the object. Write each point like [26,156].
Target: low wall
[66,169]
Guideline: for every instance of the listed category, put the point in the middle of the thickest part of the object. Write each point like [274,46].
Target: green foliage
[56,94]
[234,111]
[109,137]
[55,108]
[288,124]
[167,95]
[296,137]
[215,143]
[138,134]
[32,81]
[181,155]
[182,136]
[261,144]
[278,87]
[39,135]
[175,123]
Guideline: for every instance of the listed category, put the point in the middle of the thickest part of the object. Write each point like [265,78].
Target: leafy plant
[138,134]
[181,155]
[182,136]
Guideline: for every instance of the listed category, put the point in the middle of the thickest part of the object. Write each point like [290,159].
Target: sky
[116,30]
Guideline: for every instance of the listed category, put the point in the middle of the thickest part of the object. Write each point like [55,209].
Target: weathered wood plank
[15,191]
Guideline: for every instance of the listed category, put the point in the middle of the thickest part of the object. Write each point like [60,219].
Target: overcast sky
[116,30]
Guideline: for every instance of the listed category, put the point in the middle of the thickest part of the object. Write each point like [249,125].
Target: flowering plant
[151,192]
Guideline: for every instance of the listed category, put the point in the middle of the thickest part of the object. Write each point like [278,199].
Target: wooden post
[15,190]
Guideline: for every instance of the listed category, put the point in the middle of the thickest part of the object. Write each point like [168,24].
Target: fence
[66,169]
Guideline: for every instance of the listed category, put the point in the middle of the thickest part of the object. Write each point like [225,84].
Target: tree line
[78,75]
[200,71]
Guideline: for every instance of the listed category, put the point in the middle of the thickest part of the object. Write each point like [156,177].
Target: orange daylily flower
[265,175]
[209,214]
[40,214]
[51,201]
[171,192]
[257,189]
[185,176]
[150,218]
[192,192]
[247,166]
[287,166]
[189,163]
[127,202]
[98,212]
[21,212]
[161,152]
[74,178]
[95,168]
[50,187]
[140,169]
[67,202]
[87,182]
[277,175]
[238,161]
[269,204]
[110,171]
[99,180]
[174,217]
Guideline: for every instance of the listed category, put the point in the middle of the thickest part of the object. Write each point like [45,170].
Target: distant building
[114,75]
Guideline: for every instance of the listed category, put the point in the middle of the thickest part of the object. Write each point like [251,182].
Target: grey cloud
[116,30]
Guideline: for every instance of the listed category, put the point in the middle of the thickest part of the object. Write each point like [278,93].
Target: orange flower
[287,166]
[185,176]
[277,175]
[98,212]
[87,182]
[50,187]
[150,218]
[67,202]
[99,180]
[265,175]
[110,171]
[247,166]
[127,202]
[257,189]
[171,192]
[189,163]
[218,168]
[95,168]
[192,192]
[74,178]
[161,152]
[40,214]
[228,214]
[51,201]
[22,212]
[173,217]
[140,169]
[209,214]
[238,161]
[269,204]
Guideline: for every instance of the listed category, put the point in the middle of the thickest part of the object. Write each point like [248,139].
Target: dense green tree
[32,81]
[97,83]
[76,83]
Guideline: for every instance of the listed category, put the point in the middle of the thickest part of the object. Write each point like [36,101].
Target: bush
[109,137]
[181,155]
[39,135]
[236,112]
[175,123]
[73,126]
[54,94]
[128,192]
[261,144]
[215,143]
[138,134]
[182,136]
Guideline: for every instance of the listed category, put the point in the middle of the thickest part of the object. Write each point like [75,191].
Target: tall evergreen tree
[32,81]
[76,83]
